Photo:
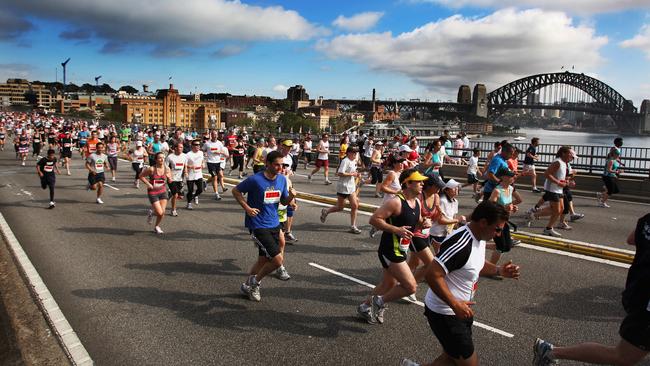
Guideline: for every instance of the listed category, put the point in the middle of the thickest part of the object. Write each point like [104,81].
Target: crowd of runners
[424,237]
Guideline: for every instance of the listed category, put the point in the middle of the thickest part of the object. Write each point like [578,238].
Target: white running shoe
[150,217]
[174,213]
[282,274]
[99,200]
[551,232]
[52,204]
[323,215]
[407,362]
[412,297]
[157,230]
[328,182]
[113,179]
[603,204]
[189,206]
[196,200]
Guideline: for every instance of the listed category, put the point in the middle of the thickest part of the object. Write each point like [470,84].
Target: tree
[31,97]
[290,120]
[243,122]
[128,89]
[106,89]
[72,88]
[114,116]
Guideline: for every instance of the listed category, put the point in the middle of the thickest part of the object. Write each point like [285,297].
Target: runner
[390,186]
[529,163]
[397,218]
[91,144]
[264,190]
[473,171]
[238,154]
[22,146]
[37,144]
[258,156]
[288,210]
[82,137]
[505,195]
[556,175]
[47,170]
[96,163]
[634,331]
[307,152]
[3,136]
[125,137]
[112,147]
[568,197]
[283,210]
[498,162]
[452,278]
[177,163]
[214,150]
[137,157]
[420,252]
[195,174]
[158,175]
[65,148]
[610,178]
[448,217]
[322,160]
[376,173]
[346,189]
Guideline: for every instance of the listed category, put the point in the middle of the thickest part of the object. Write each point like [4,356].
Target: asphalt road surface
[136,298]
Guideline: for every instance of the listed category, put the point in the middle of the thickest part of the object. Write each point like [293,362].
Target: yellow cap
[287,143]
[416,177]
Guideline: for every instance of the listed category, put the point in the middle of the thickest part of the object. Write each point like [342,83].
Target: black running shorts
[455,335]
[267,241]
[635,329]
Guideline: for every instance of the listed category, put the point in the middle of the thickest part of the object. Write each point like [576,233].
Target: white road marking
[110,186]
[574,255]
[420,303]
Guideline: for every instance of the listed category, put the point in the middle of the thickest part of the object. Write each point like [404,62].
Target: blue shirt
[496,164]
[264,195]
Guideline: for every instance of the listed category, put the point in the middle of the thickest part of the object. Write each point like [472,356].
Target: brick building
[168,109]
[14,91]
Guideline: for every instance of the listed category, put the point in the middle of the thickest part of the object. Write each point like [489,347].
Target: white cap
[451,184]
[138,143]
[405,148]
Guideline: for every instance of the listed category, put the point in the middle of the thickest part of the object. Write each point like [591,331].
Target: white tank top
[560,174]
[394,185]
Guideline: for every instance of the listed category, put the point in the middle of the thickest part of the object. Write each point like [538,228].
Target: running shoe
[536,190]
[564,226]
[516,242]
[189,206]
[377,195]
[254,294]
[377,310]
[282,274]
[323,215]
[52,204]
[245,289]
[290,238]
[603,204]
[23,164]
[599,196]
[542,353]
[113,179]
[309,177]
[407,362]
[157,230]
[174,213]
[365,312]
[412,297]
[196,200]
[224,190]
[69,173]
[551,232]
[530,216]
[99,201]
[136,184]
[354,230]
[150,217]
[372,232]
[477,197]
[217,197]
[576,217]
[328,182]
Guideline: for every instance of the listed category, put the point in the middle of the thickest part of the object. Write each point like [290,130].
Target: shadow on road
[224,268]
[598,304]
[214,311]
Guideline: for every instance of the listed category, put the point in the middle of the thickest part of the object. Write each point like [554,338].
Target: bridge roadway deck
[137,298]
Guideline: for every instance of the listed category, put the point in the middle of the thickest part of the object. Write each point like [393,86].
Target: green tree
[114,116]
[290,120]
[128,88]
[31,97]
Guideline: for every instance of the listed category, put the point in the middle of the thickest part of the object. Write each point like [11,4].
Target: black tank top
[407,217]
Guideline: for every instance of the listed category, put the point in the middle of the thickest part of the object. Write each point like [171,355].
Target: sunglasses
[286,165]
[498,229]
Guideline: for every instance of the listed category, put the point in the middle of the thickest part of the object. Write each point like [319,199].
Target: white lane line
[420,303]
[574,255]
[110,186]
[63,330]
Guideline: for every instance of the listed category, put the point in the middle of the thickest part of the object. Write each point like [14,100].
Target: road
[136,298]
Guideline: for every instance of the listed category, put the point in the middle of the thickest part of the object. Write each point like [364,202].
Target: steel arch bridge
[607,100]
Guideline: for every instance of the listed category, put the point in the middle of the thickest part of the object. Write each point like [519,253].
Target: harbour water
[573,138]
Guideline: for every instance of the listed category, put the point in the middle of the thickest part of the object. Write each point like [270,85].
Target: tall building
[14,91]
[168,109]
[297,94]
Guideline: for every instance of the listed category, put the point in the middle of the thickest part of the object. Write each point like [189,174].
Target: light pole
[64,64]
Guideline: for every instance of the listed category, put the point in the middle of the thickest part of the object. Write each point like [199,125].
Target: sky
[405,49]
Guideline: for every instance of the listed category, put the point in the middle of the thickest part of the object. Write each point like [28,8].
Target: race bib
[112,151]
[271,197]
[157,183]
[48,168]
[67,145]
[214,150]
[140,159]
[82,140]
[404,244]
[92,148]
[37,141]
[178,166]
[425,231]
[99,166]
[197,168]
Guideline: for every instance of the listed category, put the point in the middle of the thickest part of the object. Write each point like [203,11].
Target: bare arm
[385,186]
[435,277]
[381,215]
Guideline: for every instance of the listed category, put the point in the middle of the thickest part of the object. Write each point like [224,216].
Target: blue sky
[403,48]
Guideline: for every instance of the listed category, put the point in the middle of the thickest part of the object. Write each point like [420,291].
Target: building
[245,101]
[15,89]
[77,101]
[169,110]
[320,114]
[232,118]
[297,93]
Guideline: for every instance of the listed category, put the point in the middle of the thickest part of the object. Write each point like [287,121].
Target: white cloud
[572,6]
[173,23]
[359,22]
[17,70]
[280,88]
[493,50]
[640,41]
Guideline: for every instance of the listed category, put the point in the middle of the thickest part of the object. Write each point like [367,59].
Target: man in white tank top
[553,187]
